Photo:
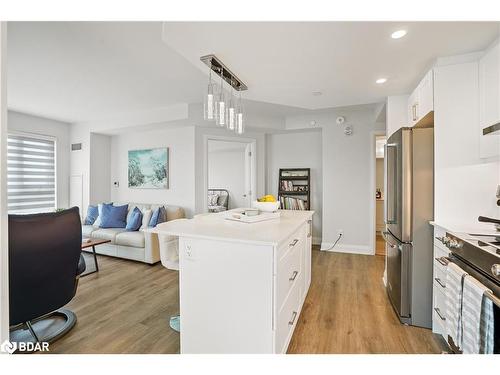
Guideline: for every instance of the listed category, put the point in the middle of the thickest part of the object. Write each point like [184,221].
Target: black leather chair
[44,266]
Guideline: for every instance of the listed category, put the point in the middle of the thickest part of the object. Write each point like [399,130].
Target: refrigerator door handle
[391,183]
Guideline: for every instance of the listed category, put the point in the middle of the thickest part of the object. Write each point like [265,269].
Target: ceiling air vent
[76,146]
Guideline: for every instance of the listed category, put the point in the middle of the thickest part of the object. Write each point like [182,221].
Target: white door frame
[251,143]
[4,250]
[373,187]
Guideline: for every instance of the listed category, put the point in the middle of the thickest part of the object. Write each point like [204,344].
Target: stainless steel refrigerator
[409,206]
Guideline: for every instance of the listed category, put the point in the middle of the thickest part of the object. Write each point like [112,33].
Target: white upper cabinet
[421,102]
[489,100]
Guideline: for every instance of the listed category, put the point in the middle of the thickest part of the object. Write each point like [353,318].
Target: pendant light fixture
[220,107]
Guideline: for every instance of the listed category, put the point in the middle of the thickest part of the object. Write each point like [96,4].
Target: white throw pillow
[146,217]
[97,222]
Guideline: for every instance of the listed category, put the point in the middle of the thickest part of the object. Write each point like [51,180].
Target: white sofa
[139,245]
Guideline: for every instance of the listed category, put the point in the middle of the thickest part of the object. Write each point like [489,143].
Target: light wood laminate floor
[125,308]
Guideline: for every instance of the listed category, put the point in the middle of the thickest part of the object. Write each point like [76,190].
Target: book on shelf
[289,186]
[289,203]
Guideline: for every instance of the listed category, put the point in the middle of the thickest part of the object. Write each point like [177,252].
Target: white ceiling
[284,63]
[81,71]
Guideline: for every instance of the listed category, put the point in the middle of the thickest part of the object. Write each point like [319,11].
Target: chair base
[47,328]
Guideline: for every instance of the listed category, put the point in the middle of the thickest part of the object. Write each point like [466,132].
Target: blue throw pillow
[135,220]
[154,218]
[114,216]
[92,214]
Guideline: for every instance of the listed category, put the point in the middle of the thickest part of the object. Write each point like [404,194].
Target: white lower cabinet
[439,284]
[242,297]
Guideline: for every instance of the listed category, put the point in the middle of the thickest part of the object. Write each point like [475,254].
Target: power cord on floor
[338,239]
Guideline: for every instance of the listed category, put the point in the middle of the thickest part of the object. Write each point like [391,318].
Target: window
[31,177]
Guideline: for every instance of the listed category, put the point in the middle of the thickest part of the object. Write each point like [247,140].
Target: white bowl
[266,206]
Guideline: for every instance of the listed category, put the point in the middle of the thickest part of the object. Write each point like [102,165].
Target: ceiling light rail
[223,71]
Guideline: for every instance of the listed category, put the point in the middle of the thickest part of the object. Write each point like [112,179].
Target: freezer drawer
[398,275]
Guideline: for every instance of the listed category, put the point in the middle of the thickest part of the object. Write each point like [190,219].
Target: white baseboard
[316,241]
[344,248]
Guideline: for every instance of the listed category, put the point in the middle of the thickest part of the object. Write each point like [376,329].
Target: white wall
[298,150]
[61,131]
[464,184]
[226,170]
[348,177]
[180,142]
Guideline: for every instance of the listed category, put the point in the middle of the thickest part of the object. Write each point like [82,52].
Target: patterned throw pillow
[92,214]
[213,199]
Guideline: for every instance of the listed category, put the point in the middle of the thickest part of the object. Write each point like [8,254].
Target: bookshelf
[294,188]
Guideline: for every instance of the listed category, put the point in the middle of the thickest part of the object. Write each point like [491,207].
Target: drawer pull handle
[294,316]
[442,261]
[438,280]
[293,243]
[439,313]
[294,275]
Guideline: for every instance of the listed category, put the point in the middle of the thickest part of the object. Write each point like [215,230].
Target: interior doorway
[229,174]
[380,142]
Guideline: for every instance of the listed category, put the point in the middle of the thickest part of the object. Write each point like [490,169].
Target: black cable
[338,239]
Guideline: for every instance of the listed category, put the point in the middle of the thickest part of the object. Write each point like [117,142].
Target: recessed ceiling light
[398,34]
[381,80]
[317,93]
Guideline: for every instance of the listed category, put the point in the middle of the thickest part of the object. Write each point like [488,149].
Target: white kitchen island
[242,286]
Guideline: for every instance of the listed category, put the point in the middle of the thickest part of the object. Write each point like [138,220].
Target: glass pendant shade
[221,110]
[209,105]
[209,100]
[231,112]
[239,123]
[239,126]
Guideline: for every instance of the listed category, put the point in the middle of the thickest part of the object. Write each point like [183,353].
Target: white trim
[350,249]
[373,187]
[4,244]
[253,163]
[316,240]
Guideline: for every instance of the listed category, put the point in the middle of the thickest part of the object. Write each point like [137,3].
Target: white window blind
[31,178]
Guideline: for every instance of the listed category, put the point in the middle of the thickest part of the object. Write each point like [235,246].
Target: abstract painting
[148,169]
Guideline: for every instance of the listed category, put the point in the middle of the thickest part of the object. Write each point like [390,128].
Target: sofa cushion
[133,239]
[87,230]
[107,234]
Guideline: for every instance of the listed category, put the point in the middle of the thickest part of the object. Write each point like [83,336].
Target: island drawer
[296,240]
[289,273]
[287,319]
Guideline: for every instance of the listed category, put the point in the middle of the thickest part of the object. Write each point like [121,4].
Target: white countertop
[214,226]
[486,229]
